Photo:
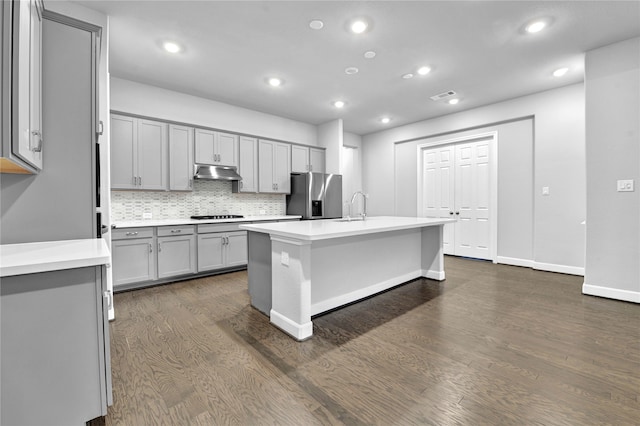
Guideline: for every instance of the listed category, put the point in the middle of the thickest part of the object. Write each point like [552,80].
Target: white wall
[613,152]
[142,99]
[558,162]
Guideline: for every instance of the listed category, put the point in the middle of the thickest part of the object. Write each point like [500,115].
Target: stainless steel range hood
[205,172]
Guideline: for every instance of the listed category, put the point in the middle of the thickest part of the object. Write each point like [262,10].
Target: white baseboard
[514,261]
[563,269]
[297,331]
[433,275]
[343,299]
[611,293]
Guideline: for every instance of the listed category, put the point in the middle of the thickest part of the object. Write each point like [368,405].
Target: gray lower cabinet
[133,255]
[221,246]
[176,251]
[54,361]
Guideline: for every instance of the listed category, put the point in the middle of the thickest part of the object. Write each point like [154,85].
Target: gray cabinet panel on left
[54,360]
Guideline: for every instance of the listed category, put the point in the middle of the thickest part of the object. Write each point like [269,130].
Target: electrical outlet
[284,258]
[545,190]
[147,215]
[625,185]
[263,212]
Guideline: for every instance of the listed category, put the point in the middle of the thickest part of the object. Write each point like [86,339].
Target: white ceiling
[476,48]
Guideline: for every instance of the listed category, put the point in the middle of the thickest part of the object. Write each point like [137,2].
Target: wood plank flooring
[492,344]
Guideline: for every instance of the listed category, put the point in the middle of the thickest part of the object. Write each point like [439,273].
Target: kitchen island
[301,269]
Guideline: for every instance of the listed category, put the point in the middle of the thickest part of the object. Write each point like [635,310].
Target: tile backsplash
[207,197]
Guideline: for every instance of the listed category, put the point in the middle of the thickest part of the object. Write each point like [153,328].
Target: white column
[291,286]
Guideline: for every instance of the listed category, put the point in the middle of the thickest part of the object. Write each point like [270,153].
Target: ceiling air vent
[443,95]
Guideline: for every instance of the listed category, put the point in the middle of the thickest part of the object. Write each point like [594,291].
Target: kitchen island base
[292,279]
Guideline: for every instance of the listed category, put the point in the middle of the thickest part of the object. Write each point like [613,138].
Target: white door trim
[493,141]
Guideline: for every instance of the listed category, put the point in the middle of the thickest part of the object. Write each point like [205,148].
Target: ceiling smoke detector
[443,95]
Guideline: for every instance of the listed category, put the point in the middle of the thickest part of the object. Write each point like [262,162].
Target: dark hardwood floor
[491,345]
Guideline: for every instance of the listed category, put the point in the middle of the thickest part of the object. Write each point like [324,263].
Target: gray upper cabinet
[138,153]
[248,165]
[216,148]
[317,160]
[22,139]
[274,166]
[307,159]
[180,158]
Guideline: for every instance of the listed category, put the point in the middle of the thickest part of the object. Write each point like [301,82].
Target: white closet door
[457,183]
[438,184]
[472,200]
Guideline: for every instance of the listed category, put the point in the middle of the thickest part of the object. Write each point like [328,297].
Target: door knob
[457,212]
[450,212]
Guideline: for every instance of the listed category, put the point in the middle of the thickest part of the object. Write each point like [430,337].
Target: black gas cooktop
[218,216]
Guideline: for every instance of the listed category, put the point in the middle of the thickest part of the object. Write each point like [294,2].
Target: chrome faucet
[364,203]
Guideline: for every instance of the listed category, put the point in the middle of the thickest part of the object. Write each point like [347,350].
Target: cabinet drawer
[130,233]
[219,227]
[167,231]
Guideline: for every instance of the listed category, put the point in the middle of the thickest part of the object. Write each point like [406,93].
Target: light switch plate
[545,190]
[625,185]
[284,258]
[147,215]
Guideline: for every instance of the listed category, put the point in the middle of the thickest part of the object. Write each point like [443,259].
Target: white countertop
[189,221]
[31,258]
[312,230]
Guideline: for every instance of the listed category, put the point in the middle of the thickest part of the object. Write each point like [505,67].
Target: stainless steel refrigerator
[315,195]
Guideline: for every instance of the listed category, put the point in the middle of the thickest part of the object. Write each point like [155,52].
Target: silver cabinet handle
[131,233]
[159,246]
[107,295]
[150,248]
[101,128]
[140,180]
[176,231]
[190,183]
[38,147]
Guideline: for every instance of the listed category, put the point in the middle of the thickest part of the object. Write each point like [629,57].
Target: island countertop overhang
[313,230]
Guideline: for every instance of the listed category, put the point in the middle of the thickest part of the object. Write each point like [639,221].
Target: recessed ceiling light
[370,54]
[338,104]
[171,47]
[424,70]
[316,24]
[275,82]
[385,120]
[535,26]
[359,26]
[560,72]
[453,101]
[351,70]
[407,76]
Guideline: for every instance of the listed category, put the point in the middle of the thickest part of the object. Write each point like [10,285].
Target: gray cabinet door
[204,146]
[123,152]
[227,149]
[27,50]
[317,160]
[236,248]
[180,158]
[152,155]
[55,348]
[248,164]
[299,159]
[265,161]
[176,256]
[133,261]
[282,168]
[210,252]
